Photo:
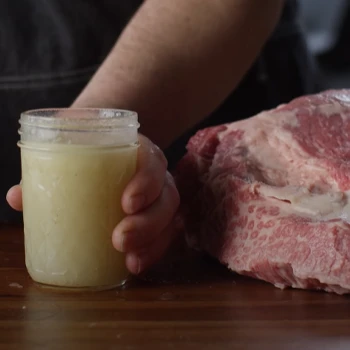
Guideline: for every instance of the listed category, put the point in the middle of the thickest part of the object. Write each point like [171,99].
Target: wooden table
[188,302]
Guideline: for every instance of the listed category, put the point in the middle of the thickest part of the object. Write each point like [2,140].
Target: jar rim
[80,119]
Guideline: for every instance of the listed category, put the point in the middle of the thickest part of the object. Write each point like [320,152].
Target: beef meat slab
[269,196]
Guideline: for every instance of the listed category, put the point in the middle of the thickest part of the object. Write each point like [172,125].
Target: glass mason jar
[75,166]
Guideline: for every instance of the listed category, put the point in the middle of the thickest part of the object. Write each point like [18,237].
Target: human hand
[150,201]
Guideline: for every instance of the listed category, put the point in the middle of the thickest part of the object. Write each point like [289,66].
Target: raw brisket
[269,196]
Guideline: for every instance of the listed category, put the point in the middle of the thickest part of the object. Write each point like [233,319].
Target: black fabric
[48,37]
[49,49]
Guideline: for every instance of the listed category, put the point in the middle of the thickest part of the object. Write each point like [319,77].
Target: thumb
[14,197]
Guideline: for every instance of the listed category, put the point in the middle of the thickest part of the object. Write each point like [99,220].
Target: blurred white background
[327,25]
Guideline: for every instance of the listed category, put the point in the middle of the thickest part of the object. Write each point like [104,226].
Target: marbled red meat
[269,196]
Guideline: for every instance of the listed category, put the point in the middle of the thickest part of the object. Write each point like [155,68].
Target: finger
[146,186]
[139,262]
[14,197]
[135,232]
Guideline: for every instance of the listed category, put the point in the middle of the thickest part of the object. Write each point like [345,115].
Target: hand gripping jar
[75,166]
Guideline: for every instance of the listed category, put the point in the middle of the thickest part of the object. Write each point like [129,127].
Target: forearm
[178,60]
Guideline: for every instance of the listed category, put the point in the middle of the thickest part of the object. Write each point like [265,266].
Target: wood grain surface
[186,302]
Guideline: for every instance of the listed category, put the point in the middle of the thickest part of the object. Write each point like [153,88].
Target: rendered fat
[71,204]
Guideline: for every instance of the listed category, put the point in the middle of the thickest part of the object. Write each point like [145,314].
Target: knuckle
[159,155]
[152,150]
[174,193]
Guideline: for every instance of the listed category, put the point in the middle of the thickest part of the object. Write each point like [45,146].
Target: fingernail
[133,262]
[119,241]
[137,202]
[122,240]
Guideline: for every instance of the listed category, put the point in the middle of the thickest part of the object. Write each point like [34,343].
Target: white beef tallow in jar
[75,166]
